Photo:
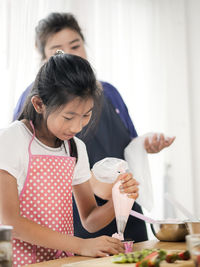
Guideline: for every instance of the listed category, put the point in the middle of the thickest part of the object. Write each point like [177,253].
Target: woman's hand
[101,246]
[157,144]
[128,185]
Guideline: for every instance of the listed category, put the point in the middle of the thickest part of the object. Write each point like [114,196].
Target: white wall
[193,40]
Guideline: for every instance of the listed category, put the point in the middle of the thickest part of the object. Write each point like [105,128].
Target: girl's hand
[128,185]
[157,144]
[101,246]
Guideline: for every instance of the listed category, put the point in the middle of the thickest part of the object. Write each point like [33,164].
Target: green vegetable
[132,257]
[149,257]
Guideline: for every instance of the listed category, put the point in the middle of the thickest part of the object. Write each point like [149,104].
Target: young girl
[42,162]
[115,128]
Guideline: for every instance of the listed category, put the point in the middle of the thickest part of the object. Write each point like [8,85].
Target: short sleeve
[118,103]
[10,152]
[21,101]
[82,169]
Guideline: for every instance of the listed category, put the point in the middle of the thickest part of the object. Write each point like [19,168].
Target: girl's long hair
[61,79]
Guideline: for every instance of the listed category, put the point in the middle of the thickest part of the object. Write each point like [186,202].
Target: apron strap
[29,147]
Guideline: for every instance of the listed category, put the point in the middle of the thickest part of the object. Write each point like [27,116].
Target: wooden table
[137,246]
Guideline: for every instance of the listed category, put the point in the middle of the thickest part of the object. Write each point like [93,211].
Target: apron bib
[46,199]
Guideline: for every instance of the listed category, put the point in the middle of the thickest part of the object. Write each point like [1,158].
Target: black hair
[61,79]
[54,23]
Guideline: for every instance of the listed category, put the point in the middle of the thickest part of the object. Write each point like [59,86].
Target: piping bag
[122,206]
[107,171]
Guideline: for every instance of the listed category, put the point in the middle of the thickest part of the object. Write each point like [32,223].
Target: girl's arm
[34,233]
[95,217]
[101,189]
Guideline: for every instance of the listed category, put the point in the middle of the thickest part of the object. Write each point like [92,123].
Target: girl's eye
[75,47]
[87,115]
[68,119]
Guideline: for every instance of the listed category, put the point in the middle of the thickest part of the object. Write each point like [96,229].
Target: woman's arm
[34,233]
[95,217]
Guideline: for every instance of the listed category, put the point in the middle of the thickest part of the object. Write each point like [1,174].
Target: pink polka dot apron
[46,199]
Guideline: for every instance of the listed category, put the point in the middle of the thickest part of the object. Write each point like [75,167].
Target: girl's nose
[76,127]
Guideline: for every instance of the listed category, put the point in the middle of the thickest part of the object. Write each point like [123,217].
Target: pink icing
[122,203]
[118,236]
[128,245]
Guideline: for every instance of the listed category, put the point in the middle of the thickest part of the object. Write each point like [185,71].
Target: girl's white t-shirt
[14,156]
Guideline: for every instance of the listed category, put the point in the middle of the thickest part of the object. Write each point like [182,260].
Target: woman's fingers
[157,144]
[169,141]
[153,146]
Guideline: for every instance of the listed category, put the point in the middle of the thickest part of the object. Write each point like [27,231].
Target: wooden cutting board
[107,262]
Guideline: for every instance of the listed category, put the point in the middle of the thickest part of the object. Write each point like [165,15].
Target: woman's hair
[54,23]
[61,79]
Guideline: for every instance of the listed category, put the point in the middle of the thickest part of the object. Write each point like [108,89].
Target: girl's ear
[38,104]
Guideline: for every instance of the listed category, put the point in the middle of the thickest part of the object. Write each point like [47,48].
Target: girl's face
[67,40]
[70,120]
